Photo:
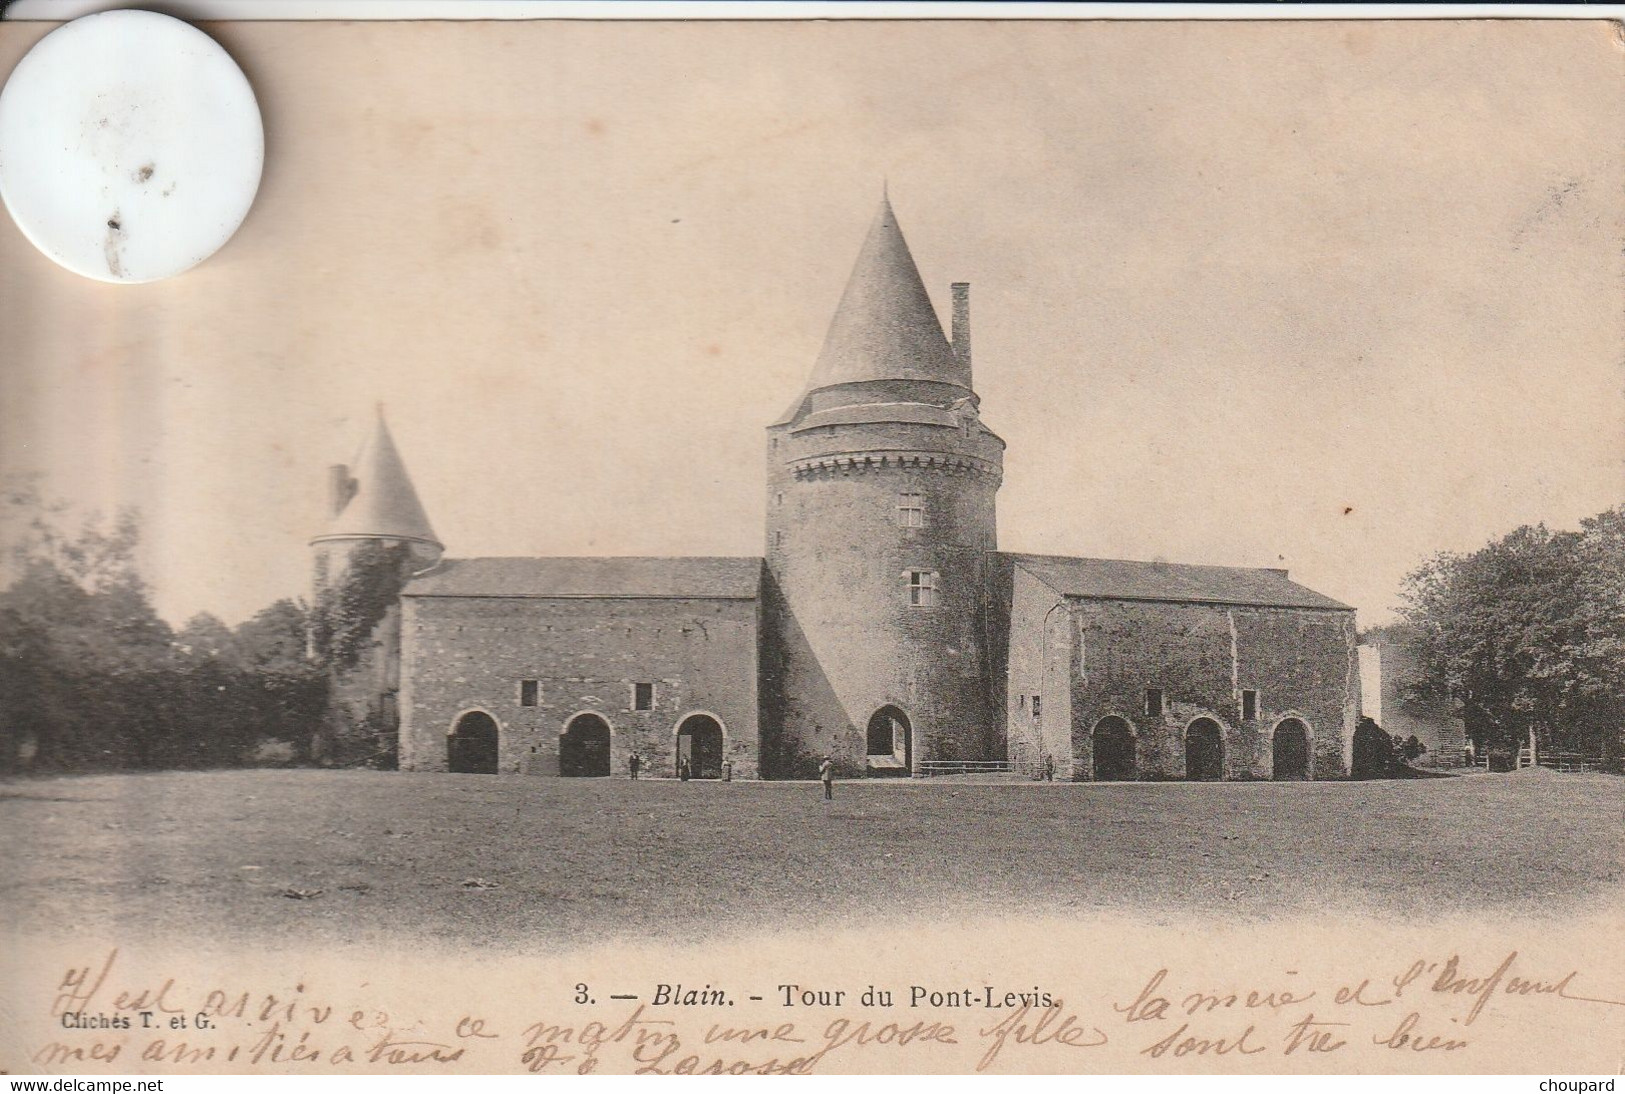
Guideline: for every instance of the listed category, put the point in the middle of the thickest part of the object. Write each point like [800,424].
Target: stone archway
[699,742]
[889,743]
[472,746]
[1204,751]
[584,748]
[1113,749]
[1291,750]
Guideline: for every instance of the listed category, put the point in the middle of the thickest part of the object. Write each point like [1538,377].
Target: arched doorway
[1114,751]
[699,741]
[1204,751]
[584,748]
[1291,750]
[472,746]
[890,744]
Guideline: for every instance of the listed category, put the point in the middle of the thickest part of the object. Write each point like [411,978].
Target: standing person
[826,773]
[634,762]
[682,769]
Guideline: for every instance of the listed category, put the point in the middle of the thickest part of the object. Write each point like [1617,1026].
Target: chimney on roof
[961,325]
[340,488]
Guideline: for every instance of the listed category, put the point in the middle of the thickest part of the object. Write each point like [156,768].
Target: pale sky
[1329,296]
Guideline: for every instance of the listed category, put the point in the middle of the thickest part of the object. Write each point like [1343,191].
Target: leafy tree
[1528,631]
[1373,752]
[91,678]
[205,637]
[83,658]
[292,686]
[274,639]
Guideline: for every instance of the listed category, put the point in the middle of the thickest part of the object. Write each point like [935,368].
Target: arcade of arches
[1114,751]
[584,747]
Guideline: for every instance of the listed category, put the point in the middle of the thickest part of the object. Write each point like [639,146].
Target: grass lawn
[214,854]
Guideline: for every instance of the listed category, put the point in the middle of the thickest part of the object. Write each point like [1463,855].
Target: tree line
[93,679]
[1527,632]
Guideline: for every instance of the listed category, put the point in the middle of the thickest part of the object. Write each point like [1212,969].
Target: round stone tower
[881,483]
[378,536]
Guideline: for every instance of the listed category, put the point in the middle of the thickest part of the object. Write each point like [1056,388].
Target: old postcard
[855,546]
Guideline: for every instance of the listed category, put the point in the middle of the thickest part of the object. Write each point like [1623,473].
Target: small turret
[377,537]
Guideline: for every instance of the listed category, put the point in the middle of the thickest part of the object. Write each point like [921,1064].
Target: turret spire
[375,499]
[885,327]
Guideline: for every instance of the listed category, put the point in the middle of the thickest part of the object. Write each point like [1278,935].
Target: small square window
[1249,705]
[643,696]
[911,510]
[529,692]
[922,588]
[1038,706]
[1153,702]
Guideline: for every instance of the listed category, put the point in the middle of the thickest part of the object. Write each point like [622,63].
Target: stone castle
[881,627]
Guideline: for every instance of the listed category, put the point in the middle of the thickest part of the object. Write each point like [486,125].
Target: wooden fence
[1572,762]
[926,769]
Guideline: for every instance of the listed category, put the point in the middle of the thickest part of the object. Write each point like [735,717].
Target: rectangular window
[643,696]
[1153,702]
[1249,705]
[1038,705]
[529,692]
[922,588]
[911,510]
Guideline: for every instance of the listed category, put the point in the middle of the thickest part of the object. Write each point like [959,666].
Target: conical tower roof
[383,503]
[885,327]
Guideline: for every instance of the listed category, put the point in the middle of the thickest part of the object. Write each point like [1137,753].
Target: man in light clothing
[826,773]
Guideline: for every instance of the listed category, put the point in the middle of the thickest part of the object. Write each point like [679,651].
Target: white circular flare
[130,146]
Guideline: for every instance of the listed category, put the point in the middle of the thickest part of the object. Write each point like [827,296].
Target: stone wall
[1301,662]
[1040,645]
[470,653]
[836,657]
[844,637]
[1386,667]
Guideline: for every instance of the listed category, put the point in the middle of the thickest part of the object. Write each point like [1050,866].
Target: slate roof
[385,502]
[885,327]
[1118,579]
[709,578]
[866,413]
